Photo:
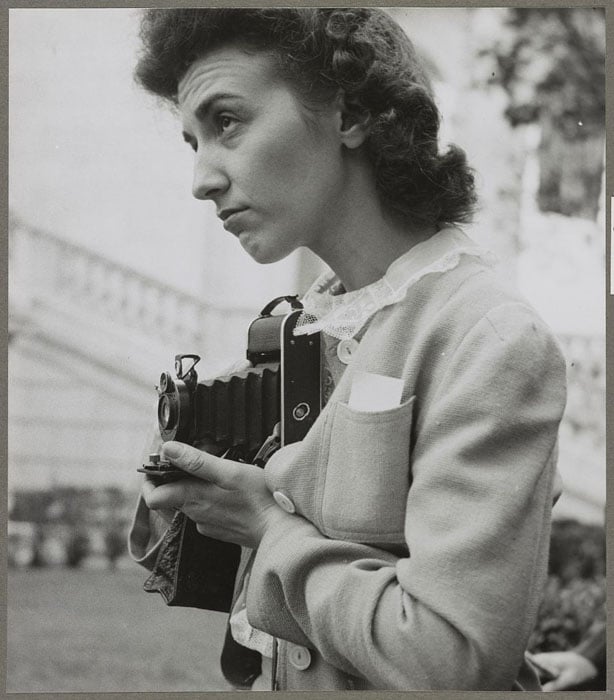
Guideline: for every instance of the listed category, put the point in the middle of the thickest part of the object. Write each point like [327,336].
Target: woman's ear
[354,123]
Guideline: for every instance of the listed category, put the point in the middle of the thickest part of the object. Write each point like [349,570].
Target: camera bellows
[239,410]
[236,411]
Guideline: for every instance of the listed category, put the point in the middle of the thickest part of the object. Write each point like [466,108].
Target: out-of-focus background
[114,268]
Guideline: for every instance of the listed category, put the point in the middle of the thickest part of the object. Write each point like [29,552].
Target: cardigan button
[299,657]
[284,502]
[346,350]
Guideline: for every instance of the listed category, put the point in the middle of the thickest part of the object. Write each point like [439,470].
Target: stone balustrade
[43,266]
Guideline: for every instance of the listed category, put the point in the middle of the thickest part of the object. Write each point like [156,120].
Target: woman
[402,544]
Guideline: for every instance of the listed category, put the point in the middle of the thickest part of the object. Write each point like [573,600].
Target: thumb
[555,684]
[195,462]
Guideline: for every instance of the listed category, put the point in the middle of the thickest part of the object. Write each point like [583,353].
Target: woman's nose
[209,176]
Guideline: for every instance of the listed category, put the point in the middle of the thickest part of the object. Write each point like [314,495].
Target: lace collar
[326,307]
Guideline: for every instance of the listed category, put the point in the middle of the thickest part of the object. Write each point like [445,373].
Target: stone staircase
[88,338]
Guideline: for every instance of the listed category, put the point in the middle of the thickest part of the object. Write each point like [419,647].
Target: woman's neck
[363,240]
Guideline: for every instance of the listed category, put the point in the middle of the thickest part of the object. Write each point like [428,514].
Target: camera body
[245,416]
[272,403]
[237,411]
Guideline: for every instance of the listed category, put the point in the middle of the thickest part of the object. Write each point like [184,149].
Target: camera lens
[164,412]
[174,410]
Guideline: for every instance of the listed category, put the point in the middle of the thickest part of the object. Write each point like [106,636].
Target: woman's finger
[171,495]
[199,464]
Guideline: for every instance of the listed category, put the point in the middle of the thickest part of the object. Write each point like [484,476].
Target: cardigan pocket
[367,473]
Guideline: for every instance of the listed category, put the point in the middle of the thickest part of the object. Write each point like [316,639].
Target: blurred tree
[575,593]
[77,547]
[577,551]
[567,612]
[31,506]
[111,503]
[551,64]
[69,504]
[38,544]
[112,507]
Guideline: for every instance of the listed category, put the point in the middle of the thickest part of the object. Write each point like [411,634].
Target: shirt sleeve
[457,612]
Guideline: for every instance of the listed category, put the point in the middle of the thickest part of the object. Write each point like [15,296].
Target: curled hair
[362,52]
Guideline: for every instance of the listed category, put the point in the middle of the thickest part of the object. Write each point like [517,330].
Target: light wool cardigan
[417,553]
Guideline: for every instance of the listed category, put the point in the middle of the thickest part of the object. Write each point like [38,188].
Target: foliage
[71,505]
[553,59]
[115,544]
[567,612]
[77,548]
[551,64]
[38,560]
[575,593]
[31,506]
[87,520]
[577,551]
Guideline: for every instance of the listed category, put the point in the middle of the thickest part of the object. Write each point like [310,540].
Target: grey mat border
[323,695]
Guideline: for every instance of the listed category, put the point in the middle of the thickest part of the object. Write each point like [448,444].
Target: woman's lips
[232,221]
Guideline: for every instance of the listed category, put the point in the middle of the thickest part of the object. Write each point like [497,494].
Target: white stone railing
[43,266]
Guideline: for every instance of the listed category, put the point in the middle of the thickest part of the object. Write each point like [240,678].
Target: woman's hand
[568,668]
[227,500]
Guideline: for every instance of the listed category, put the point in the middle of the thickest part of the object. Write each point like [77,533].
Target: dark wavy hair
[362,52]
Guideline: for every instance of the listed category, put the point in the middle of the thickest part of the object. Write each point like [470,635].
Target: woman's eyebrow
[205,105]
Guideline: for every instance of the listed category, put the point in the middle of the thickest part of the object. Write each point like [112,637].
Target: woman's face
[274,170]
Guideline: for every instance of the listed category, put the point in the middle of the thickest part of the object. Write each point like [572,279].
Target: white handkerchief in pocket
[374,392]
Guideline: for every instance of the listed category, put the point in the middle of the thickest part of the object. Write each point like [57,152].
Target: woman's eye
[225,122]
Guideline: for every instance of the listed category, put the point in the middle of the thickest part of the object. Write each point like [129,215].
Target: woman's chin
[261,253]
